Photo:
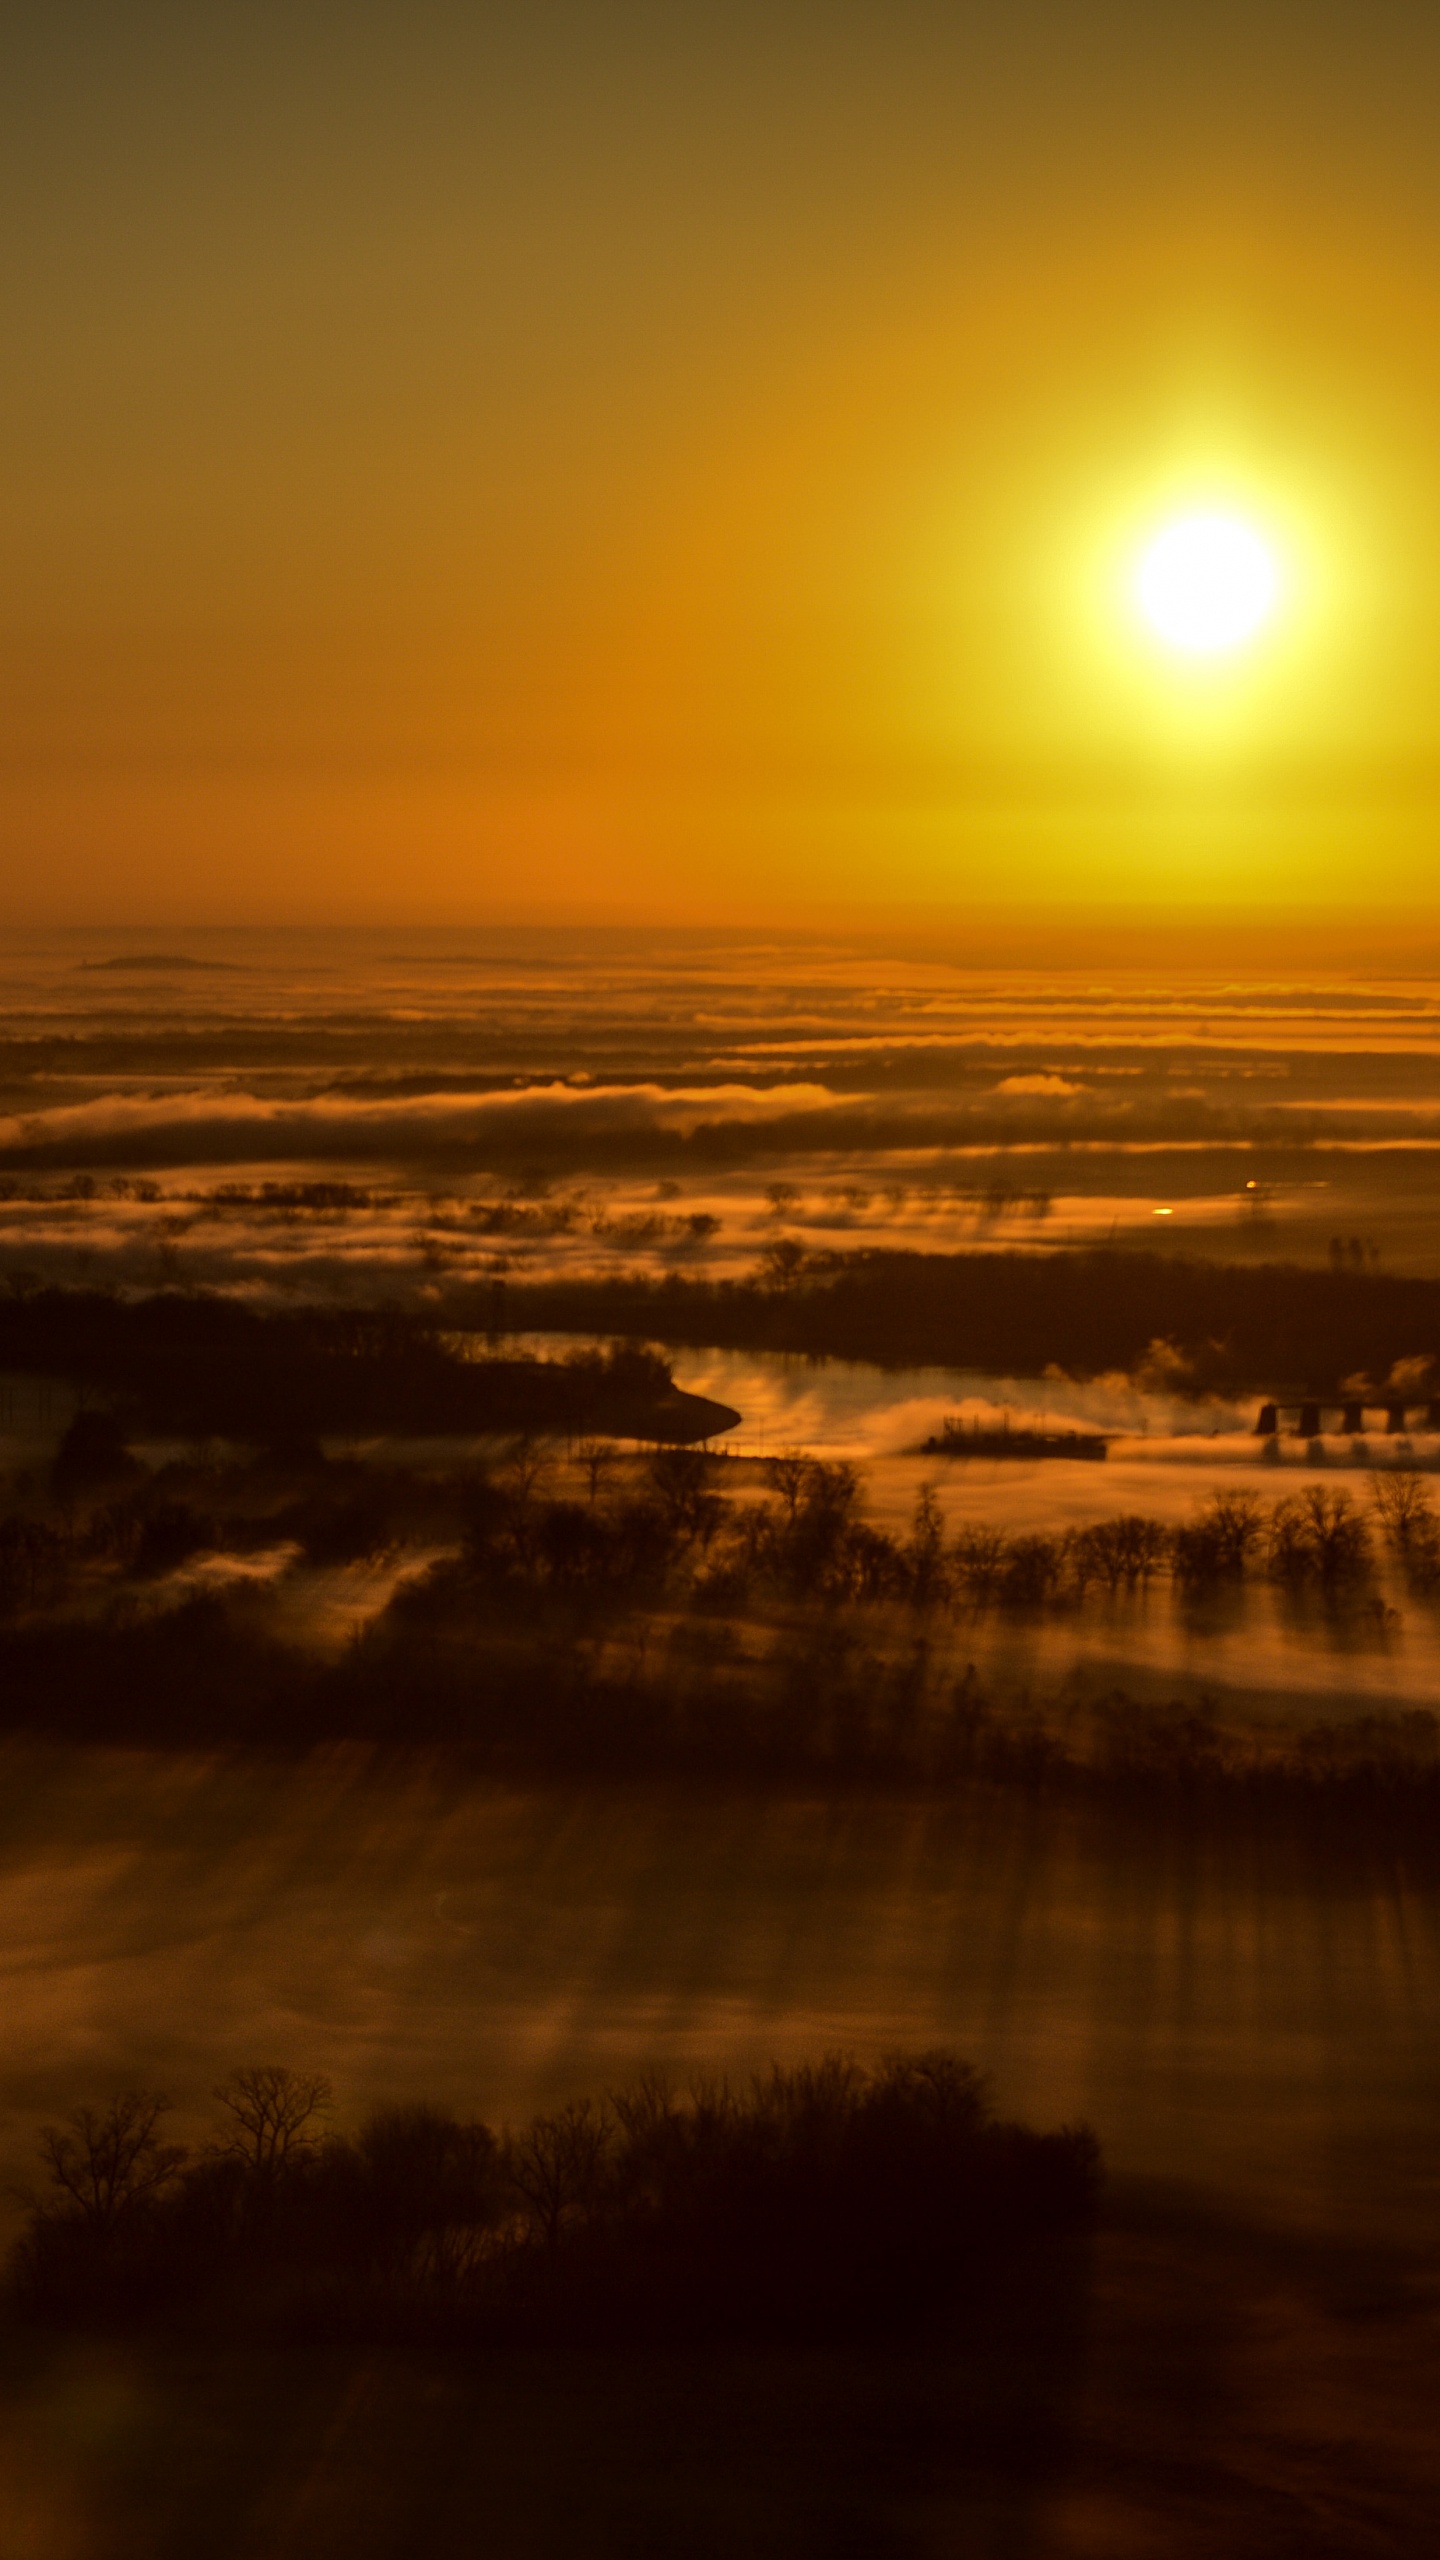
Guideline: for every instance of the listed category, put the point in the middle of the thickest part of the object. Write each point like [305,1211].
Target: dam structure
[1311,1414]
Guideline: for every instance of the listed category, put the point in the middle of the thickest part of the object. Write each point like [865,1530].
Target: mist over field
[581,1508]
[397,1113]
[720,1282]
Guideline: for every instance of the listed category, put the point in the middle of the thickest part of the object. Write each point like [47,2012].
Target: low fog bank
[574,1123]
[1248,2013]
[552,1598]
[399,1235]
[343,1116]
[475,1773]
[1245,1655]
[397,1232]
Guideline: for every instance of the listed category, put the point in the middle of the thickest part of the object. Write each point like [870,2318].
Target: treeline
[819,2201]
[666,1532]
[654,1628]
[675,1534]
[206,1364]
[1237,1328]
[707,1701]
[112,1523]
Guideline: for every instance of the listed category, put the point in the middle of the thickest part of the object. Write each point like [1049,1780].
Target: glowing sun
[1206,583]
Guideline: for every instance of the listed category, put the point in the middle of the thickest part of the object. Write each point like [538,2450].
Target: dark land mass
[1236,1328]
[956,1439]
[1196,2386]
[646,2214]
[204,1365]
[837,2312]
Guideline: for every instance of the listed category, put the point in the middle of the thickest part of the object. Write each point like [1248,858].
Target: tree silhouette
[111,2160]
[785,1473]
[596,1459]
[275,2115]
[558,2164]
[1402,1503]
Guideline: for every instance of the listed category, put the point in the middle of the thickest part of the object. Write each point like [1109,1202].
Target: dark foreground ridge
[199,1364]
[816,2201]
[1235,1328]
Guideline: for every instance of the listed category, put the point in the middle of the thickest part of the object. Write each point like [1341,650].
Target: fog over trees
[630,1614]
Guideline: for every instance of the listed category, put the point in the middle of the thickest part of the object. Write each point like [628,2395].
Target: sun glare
[1206,583]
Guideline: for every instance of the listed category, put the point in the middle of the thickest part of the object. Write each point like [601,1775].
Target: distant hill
[151,962]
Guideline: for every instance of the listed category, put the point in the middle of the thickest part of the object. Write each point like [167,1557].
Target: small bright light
[1206,583]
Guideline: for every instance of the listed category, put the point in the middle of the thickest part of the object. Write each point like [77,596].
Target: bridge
[1310,1415]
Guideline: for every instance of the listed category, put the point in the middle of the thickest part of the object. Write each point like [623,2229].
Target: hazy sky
[531,461]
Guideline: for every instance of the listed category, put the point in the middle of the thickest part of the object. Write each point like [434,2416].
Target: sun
[1206,583]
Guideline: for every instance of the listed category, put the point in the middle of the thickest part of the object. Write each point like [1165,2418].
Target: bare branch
[107,2161]
[275,2115]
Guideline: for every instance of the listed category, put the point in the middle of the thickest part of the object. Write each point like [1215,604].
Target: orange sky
[589,462]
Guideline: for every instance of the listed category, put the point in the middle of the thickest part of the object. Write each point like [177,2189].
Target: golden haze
[692,471]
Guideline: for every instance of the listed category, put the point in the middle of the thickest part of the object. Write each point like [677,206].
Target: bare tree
[1321,1534]
[979,1552]
[597,1460]
[1235,1521]
[526,1465]
[788,1474]
[558,2164]
[110,2161]
[928,1578]
[782,1262]
[1128,1549]
[680,1481]
[1402,1500]
[276,2115]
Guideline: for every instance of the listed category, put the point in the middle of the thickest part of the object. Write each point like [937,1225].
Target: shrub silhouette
[34,1564]
[1129,1550]
[92,1458]
[87,2247]
[680,1485]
